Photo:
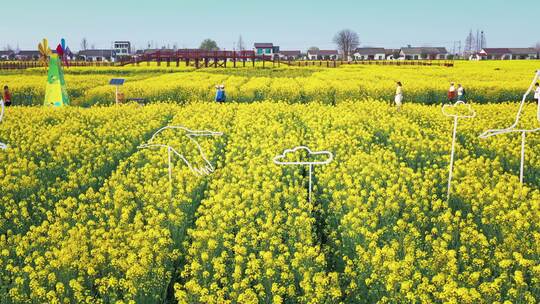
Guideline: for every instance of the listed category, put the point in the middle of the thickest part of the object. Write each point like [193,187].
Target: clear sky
[292,24]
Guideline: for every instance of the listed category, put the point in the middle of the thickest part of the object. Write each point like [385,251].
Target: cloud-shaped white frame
[277,159]
[469,107]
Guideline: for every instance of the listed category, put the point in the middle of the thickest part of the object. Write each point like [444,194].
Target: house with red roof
[495,54]
[508,54]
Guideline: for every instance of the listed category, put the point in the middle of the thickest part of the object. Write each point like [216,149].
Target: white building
[266,49]
[27,55]
[507,54]
[495,54]
[6,55]
[290,55]
[524,53]
[97,55]
[323,55]
[122,48]
[417,53]
[370,53]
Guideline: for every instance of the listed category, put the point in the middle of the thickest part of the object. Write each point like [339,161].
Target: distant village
[123,49]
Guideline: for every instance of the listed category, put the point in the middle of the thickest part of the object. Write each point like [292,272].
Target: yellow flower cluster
[484,82]
[87,217]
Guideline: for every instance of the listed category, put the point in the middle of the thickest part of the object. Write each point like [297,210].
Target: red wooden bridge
[200,58]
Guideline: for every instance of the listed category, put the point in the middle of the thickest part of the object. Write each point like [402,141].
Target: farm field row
[485,82]
[87,217]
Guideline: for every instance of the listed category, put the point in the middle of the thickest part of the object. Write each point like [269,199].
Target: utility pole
[483,42]
[478,41]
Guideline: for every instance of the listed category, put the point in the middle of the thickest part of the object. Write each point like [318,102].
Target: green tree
[209,45]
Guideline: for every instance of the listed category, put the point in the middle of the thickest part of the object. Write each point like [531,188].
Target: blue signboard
[117,81]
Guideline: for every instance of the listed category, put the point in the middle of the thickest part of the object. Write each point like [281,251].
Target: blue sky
[292,24]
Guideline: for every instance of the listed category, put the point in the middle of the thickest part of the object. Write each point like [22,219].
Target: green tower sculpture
[56,93]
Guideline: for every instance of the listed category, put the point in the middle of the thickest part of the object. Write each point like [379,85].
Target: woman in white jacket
[537,97]
[399,95]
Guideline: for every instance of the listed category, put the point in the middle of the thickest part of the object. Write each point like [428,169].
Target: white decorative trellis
[2,145]
[470,114]
[191,135]
[513,128]
[278,160]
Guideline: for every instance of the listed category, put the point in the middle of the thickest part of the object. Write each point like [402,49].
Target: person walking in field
[220,94]
[452,93]
[7,96]
[460,93]
[537,98]
[399,95]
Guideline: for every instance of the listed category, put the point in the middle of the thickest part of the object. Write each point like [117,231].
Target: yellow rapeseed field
[87,217]
[485,82]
